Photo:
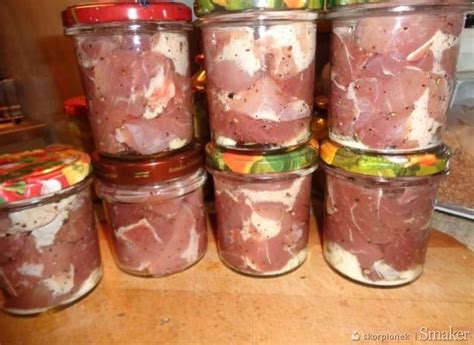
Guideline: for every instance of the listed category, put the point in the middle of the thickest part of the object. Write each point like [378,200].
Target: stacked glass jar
[49,250]
[391,83]
[134,63]
[259,60]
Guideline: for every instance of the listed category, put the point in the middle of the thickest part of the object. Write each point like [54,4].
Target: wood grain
[210,304]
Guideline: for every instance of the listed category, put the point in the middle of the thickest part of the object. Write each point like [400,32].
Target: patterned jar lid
[204,7]
[250,163]
[31,174]
[430,162]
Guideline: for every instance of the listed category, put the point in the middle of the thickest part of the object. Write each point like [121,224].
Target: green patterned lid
[203,7]
[262,163]
[430,162]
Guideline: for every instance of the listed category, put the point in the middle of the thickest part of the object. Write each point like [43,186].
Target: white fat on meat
[294,236]
[347,141]
[348,264]
[299,36]
[241,50]
[333,79]
[265,108]
[267,228]
[421,126]
[61,283]
[31,270]
[159,93]
[266,111]
[120,232]
[224,141]
[294,262]
[45,221]
[351,95]
[286,196]
[86,286]
[36,217]
[175,47]
[191,253]
[438,43]
[301,137]
[245,232]
[176,143]
[330,207]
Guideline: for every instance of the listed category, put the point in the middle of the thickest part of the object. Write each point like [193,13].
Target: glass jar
[263,208]
[378,212]
[155,211]
[260,78]
[49,251]
[392,73]
[134,63]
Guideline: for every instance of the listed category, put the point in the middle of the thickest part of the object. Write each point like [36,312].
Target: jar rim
[254,17]
[380,179]
[110,192]
[264,177]
[131,27]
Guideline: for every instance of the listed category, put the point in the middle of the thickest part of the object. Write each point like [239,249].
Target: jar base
[291,266]
[143,274]
[87,287]
[347,265]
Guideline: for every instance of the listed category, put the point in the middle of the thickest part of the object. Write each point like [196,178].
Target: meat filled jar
[262,204]
[49,251]
[378,212]
[393,66]
[155,211]
[134,64]
[260,60]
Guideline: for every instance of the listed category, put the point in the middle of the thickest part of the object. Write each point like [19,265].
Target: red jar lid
[151,170]
[98,13]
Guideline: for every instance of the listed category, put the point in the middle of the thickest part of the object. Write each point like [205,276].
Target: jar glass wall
[376,229]
[260,77]
[136,76]
[156,229]
[49,251]
[392,74]
[263,221]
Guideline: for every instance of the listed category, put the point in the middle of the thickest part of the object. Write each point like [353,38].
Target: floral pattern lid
[293,160]
[31,174]
[204,7]
[430,162]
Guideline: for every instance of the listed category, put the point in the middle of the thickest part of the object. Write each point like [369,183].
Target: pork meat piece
[378,233]
[135,86]
[262,226]
[158,238]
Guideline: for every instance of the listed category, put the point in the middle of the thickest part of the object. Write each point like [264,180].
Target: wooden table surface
[210,304]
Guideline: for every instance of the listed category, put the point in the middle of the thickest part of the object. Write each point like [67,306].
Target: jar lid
[30,174]
[202,7]
[430,162]
[154,169]
[99,13]
[262,163]
[76,106]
